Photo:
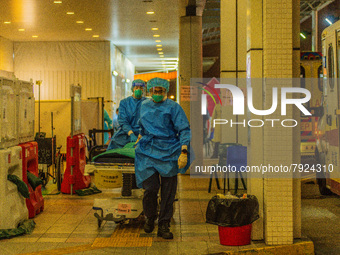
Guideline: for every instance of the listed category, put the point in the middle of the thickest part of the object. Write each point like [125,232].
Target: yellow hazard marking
[123,242]
[123,236]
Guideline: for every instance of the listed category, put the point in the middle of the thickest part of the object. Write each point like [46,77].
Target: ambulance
[311,74]
[327,143]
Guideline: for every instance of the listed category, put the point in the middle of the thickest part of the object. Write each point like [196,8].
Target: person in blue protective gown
[107,126]
[161,153]
[128,117]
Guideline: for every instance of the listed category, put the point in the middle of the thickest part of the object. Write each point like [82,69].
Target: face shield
[138,91]
[158,94]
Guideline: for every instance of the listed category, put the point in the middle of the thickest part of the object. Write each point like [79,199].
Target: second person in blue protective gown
[128,117]
[162,152]
[107,126]
[164,130]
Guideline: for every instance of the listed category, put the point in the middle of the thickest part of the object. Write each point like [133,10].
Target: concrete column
[190,66]
[255,71]
[296,116]
[233,59]
[273,52]
[278,141]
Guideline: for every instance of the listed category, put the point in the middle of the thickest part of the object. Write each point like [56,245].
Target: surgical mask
[157,98]
[138,93]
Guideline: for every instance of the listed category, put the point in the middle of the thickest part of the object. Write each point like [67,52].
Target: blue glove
[133,138]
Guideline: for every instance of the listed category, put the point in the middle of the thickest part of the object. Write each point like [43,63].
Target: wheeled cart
[117,172]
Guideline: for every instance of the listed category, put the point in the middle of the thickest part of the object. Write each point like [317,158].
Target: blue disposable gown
[164,129]
[107,125]
[128,117]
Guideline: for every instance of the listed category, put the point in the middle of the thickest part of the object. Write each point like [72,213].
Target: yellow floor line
[67,250]
[123,242]
[123,236]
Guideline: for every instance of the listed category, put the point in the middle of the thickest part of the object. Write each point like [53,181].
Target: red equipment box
[35,204]
[78,161]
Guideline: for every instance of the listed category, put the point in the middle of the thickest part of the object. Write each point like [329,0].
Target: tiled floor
[68,226]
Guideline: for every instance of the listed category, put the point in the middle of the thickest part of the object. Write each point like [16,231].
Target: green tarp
[88,191]
[128,150]
[33,180]
[26,227]
[22,187]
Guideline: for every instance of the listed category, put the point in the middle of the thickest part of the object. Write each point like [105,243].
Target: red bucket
[235,236]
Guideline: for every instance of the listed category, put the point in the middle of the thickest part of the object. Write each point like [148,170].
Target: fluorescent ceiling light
[158,41]
[302,35]
[96,36]
[34,36]
[70,13]
[156,35]
[80,22]
[88,29]
[21,29]
[159,49]
[150,12]
[115,73]
[7,22]
[159,45]
[154,28]
[329,22]
[58,2]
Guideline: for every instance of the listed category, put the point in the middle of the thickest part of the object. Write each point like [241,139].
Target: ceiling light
[70,13]
[21,29]
[127,80]
[156,35]
[154,28]
[159,49]
[80,22]
[7,22]
[151,12]
[58,2]
[160,53]
[88,29]
[34,36]
[302,35]
[115,73]
[162,56]
[96,36]
[329,22]
[172,97]
[159,45]
[158,41]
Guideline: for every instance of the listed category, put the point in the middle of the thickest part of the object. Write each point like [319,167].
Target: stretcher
[129,204]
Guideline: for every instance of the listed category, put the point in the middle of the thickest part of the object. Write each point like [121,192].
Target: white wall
[60,64]
[6,57]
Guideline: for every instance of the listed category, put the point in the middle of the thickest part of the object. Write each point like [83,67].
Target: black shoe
[164,231]
[149,225]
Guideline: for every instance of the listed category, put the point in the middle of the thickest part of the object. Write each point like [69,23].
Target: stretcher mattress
[113,158]
[120,155]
